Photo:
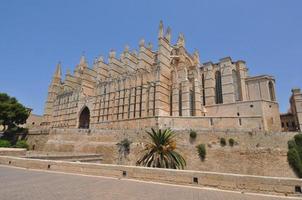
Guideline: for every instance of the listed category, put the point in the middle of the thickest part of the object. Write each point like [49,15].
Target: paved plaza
[24,184]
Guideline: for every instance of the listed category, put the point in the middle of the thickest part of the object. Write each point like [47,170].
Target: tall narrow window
[180,100]
[118,102]
[218,88]
[148,100]
[129,102]
[203,90]
[271,91]
[171,100]
[134,102]
[192,110]
[141,100]
[100,107]
[236,84]
[154,98]
[123,106]
[104,102]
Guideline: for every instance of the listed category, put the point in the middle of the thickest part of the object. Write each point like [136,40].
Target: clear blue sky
[35,35]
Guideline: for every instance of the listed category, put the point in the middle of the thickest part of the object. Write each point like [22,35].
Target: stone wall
[37,138]
[243,123]
[12,151]
[256,153]
[244,183]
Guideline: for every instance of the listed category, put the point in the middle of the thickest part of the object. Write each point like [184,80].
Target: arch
[84,118]
[271,91]
[236,85]
[218,88]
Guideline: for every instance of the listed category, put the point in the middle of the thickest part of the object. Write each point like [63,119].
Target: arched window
[236,84]
[271,91]
[84,119]
[218,88]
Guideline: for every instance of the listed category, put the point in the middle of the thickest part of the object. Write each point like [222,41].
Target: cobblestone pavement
[23,184]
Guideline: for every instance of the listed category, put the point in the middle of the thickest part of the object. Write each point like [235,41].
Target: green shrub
[295,161]
[291,144]
[231,142]
[201,150]
[124,146]
[294,154]
[298,139]
[222,142]
[193,134]
[5,143]
[22,144]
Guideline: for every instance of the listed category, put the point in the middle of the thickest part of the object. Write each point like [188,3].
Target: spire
[68,72]
[181,40]
[196,56]
[142,42]
[58,70]
[100,59]
[126,50]
[168,34]
[112,53]
[161,29]
[150,46]
[95,60]
[83,60]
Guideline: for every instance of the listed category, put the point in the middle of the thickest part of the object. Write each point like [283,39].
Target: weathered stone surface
[255,153]
[12,151]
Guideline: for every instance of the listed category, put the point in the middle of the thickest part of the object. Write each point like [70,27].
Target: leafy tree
[160,151]
[12,113]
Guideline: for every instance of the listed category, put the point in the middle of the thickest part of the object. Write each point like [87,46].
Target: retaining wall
[245,183]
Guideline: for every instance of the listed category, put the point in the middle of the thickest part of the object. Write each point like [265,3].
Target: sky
[35,35]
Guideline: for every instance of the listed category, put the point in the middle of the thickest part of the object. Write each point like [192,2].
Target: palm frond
[159,152]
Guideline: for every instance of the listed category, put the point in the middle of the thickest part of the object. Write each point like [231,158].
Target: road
[24,184]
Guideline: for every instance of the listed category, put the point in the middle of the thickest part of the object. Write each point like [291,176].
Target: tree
[12,113]
[160,151]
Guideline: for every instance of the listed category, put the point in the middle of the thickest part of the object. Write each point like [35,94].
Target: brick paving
[23,184]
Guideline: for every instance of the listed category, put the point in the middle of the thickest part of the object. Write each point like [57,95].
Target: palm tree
[160,151]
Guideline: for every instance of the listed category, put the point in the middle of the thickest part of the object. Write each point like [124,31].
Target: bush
[193,134]
[124,146]
[222,142]
[231,142]
[5,143]
[291,144]
[298,139]
[201,149]
[22,144]
[295,161]
[294,154]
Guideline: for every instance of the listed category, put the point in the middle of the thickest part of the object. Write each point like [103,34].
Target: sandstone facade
[292,121]
[166,87]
